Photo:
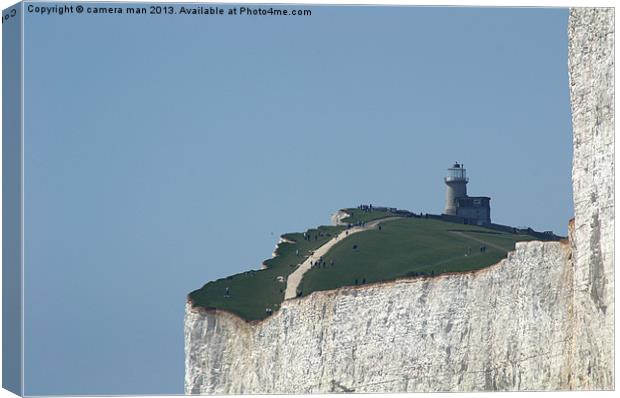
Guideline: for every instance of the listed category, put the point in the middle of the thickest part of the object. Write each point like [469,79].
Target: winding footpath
[295,278]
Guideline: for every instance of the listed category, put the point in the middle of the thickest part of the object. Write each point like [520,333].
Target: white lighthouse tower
[456,187]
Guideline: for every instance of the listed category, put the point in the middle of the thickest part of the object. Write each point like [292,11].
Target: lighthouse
[460,207]
[456,187]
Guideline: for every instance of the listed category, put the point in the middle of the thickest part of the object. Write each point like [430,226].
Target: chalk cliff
[591,72]
[542,319]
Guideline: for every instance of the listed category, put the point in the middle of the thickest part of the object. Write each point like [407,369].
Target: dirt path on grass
[464,235]
[294,279]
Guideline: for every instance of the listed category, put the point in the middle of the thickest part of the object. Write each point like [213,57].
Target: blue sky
[164,152]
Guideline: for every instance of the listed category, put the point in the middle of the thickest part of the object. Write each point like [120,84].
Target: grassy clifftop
[409,247]
[402,247]
[251,293]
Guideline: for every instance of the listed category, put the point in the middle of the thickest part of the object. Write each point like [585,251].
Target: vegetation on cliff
[250,293]
[409,247]
[403,247]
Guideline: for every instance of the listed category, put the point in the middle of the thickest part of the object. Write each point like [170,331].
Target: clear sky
[162,152]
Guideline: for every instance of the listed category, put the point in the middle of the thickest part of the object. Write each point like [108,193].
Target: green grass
[253,291]
[357,215]
[408,247]
[403,247]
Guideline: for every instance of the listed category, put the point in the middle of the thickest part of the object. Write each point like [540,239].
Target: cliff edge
[542,319]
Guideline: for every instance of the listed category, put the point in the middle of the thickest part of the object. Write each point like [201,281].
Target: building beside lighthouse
[460,207]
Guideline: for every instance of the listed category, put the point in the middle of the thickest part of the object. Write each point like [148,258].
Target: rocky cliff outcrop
[542,319]
[338,217]
[591,72]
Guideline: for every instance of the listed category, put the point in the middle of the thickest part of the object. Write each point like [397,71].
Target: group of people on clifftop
[366,208]
[321,263]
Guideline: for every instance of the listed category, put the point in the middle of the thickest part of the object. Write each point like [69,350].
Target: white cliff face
[499,328]
[591,68]
[542,319]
